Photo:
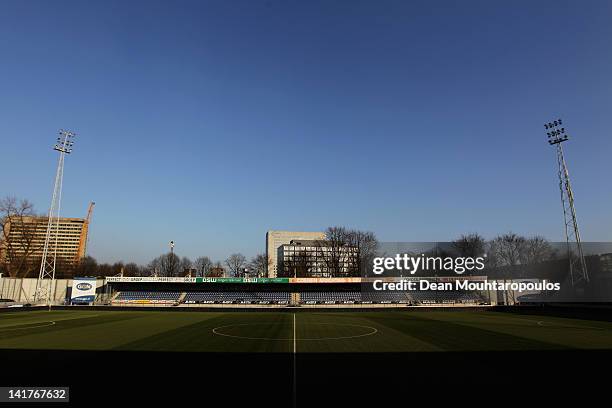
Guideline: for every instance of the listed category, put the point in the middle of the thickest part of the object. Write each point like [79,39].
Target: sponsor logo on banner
[84,286]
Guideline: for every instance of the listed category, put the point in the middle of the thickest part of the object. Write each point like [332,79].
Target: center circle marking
[370,331]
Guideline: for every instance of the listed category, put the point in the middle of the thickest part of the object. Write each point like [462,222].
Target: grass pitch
[284,332]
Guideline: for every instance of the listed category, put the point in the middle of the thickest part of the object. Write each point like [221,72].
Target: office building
[276,239]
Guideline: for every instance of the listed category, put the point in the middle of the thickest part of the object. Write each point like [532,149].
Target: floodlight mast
[577,265]
[46,275]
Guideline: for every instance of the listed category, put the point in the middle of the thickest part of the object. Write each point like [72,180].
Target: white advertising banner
[83,290]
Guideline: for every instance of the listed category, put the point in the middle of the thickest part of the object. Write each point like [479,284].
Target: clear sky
[210,122]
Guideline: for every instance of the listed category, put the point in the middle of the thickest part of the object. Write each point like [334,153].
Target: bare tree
[347,252]
[18,240]
[166,265]
[131,269]
[366,245]
[154,266]
[118,268]
[260,265]
[333,250]
[470,245]
[203,265]
[185,266]
[169,264]
[536,250]
[87,267]
[235,263]
[105,270]
[507,249]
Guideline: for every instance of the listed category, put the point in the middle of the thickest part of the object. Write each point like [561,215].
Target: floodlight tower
[46,275]
[577,266]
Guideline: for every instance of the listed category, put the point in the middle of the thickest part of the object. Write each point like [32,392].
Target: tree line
[173,265]
[343,252]
[508,249]
[349,253]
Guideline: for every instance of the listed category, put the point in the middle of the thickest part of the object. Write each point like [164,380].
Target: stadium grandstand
[190,291]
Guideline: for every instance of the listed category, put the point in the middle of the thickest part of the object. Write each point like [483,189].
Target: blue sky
[210,122]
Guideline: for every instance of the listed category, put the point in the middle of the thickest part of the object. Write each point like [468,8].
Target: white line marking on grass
[552,325]
[294,365]
[294,338]
[47,324]
[76,318]
[218,331]
[543,323]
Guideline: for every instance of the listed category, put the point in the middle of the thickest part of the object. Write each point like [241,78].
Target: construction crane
[84,233]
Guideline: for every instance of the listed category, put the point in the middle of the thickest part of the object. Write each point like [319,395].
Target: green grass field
[302,332]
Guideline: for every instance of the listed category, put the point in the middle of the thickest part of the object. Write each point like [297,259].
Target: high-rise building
[23,239]
[274,241]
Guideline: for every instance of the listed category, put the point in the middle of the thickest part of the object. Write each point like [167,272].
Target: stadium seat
[147,296]
[238,297]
